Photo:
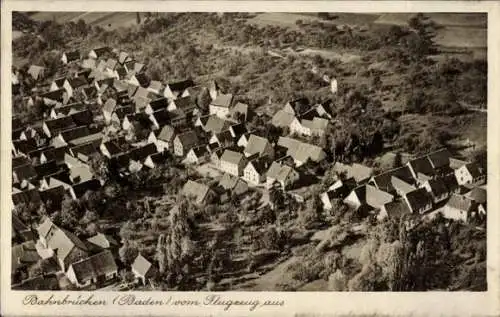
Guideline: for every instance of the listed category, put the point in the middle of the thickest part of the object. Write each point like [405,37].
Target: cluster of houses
[109,106]
[433,182]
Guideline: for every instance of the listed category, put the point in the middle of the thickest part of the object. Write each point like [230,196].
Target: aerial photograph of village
[266,151]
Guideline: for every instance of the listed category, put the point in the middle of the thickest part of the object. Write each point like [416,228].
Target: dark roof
[90,185]
[25,172]
[475,170]
[25,146]
[396,209]
[56,95]
[158,103]
[300,105]
[94,266]
[188,139]
[20,161]
[143,79]
[115,146]
[451,182]
[185,103]
[418,198]
[238,129]
[141,153]
[261,164]
[59,81]
[438,187]
[56,125]
[86,149]
[440,158]
[101,50]
[72,56]
[84,117]
[180,86]
[75,133]
[90,92]
[422,165]
[121,112]
[26,197]
[77,82]
[46,169]
[162,116]
[55,195]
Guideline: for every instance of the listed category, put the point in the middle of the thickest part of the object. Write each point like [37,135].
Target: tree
[99,167]
[128,253]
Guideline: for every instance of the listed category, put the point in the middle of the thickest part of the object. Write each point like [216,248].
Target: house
[215,124]
[114,147]
[57,83]
[157,104]
[478,195]
[94,270]
[164,139]
[54,126]
[46,169]
[255,170]
[25,197]
[421,169]
[176,89]
[297,107]
[233,184]
[384,181]
[243,140]
[89,64]
[334,194]
[367,195]
[119,115]
[216,156]
[239,112]
[61,244]
[160,118]
[221,105]
[283,174]
[214,89]
[237,130]
[139,154]
[65,136]
[196,155]
[36,72]
[23,256]
[400,186]
[457,163]
[470,173]
[143,269]
[52,98]
[301,152]
[258,145]
[84,151]
[201,193]
[177,117]
[153,160]
[419,201]
[156,86]
[78,190]
[314,127]
[440,161]
[74,85]
[437,188]
[186,104]
[140,79]
[451,183]
[223,139]
[23,172]
[20,231]
[108,109]
[52,197]
[282,119]
[233,162]
[184,142]
[459,208]
[393,210]
[69,57]
[100,52]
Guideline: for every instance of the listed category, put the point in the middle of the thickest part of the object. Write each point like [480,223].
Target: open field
[111,20]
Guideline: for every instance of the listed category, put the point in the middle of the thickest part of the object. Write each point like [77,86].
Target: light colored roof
[141,266]
[223,100]
[401,185]
[215,124]
[102,240]
[318,124]
[195,189]
[256,144]
[167,133]
[278,171]
[232,157]
[282,118]
[461,203]
[109,105]
[477,194]
[371,196]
